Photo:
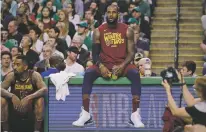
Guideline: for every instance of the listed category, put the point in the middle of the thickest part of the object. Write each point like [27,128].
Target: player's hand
[104,71]
[16,102]
[24,103]
[117,70]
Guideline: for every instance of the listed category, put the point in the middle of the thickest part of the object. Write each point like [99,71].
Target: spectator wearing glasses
[42,65]
[84,55]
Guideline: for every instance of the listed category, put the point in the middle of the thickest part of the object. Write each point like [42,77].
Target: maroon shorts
[126,69]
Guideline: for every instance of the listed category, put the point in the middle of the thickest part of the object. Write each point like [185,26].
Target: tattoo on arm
[96,47]
[130,46]
[40,85]
[6,84]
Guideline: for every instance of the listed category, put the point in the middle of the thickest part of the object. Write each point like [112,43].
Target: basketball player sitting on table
[113,50]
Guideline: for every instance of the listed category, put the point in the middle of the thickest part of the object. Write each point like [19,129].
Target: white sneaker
[84,118]
[135,119]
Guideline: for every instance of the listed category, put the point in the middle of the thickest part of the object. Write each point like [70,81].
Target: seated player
[113,50]
[25,98]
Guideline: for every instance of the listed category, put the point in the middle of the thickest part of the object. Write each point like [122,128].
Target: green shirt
[88,41]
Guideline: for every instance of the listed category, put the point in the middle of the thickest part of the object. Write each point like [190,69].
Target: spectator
[6,61]
[31,56]
[13,32]
[195,107]
[45,18]
[129,13]
[56,65]
[63,32]
[102,7]
[33,7]
[79,7]
[44,33]
[89,18]
[83,31]
[3,48]
[34,33]
[138,55]
[83,54]
[204,69]
[23,19]
[144,9]
[63,17]
[13,6]
[73,17]
[56,3]
[97,14]
[144,25]
[188,69]
[145,65]
[6,15]
[203,46]
[43,65]
[203,19]
[4,37]
[61,44]
[15,51]
[134,24]
[71,61]
[52,43]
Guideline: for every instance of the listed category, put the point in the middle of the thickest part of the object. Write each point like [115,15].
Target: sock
[86,102]
[135,103]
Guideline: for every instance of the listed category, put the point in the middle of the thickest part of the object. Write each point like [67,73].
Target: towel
[60,81]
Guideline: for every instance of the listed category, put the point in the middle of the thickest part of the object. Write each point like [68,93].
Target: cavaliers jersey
[113,44]
[23,88]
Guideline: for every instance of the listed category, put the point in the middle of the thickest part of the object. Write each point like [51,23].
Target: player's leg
[39,113]
[133,75]
[90,76]
[4,114]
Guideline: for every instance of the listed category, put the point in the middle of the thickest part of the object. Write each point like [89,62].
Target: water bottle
[147,68]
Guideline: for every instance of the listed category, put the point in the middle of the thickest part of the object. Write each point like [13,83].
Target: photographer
[196,108]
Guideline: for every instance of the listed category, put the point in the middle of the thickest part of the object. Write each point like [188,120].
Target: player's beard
[112,23]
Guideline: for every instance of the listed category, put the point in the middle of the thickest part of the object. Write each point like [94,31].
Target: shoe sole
[87,123]
[131,124]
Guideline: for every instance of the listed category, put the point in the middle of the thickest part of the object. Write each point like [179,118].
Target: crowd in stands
[41,29]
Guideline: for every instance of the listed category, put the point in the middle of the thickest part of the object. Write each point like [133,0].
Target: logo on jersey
[113,39]
[23,87]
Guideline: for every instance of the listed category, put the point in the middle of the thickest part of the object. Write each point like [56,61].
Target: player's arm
[130,46]
[96,46]
[6,84]
[42,88]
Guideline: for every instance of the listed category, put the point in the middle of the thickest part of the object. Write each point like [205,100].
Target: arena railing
[176,53]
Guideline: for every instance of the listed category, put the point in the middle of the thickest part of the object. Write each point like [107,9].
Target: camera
[170,75]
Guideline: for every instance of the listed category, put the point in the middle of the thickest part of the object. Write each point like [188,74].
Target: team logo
[113,39]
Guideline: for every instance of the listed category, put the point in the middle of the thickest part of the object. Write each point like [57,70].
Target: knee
[4,102]
[133,72]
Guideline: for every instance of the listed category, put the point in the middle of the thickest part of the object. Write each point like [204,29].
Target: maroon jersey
[23,88]
[113,44]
